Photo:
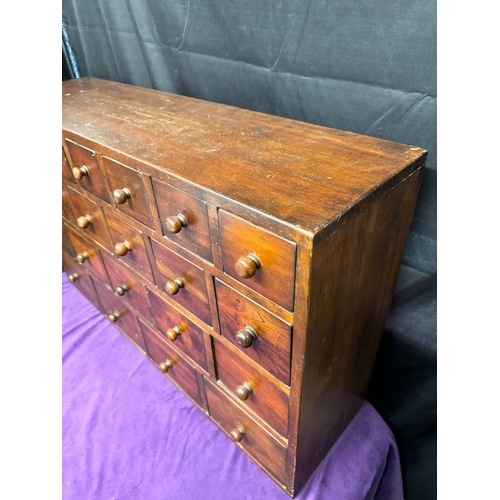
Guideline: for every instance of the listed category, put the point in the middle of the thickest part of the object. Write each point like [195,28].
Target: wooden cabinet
[251,258]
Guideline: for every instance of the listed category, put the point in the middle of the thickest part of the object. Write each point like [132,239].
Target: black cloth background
[362,66]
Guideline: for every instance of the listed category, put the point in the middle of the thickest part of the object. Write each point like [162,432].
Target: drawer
[67,209]
[86,169]
[172,364]
[257,390]
[127,188]
[175,327]
[184,219]
[183,280]
[89,218]
[87,254]
[66,169]
[120,315]
[127,287]
[265,449]
[255,331]
[258,259]
[80,279]
[129,246]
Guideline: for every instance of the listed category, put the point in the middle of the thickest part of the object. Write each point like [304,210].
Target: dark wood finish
[259,444]
[179,370]
[87,254]
[268,398]
[128,191]
[127,286]
[183,280]
[188,337]
[184,219]
[80,279]
[269,248]
[129,245]
[89,217]
[258,259]
[86,169]
[120,315]
[272,347]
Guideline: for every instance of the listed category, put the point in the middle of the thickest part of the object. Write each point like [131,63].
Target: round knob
[82,257]
[247,266]
[237,434]
[79,173]
[113,317]
[121,195]
[123,248]
[243,391]
[164,367]
[73,277]
[246,336]
[173,286]
[120,290]
[84,221]
[175,224]
[173,333]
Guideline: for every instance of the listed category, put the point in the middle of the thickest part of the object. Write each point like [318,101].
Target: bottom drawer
[172,364]
[80,279]
[264,448]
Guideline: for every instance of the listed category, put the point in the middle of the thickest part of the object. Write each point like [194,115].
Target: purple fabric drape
[128,433]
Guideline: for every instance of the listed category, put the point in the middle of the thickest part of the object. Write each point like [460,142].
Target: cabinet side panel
[354,272]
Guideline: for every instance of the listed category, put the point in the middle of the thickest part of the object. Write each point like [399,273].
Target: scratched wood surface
[234,152]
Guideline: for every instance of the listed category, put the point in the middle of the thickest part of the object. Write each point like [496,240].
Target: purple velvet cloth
[128,433]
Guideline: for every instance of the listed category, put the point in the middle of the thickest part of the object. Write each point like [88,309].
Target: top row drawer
[257,258]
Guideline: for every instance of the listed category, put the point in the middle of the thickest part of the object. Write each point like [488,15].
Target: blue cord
[69,51]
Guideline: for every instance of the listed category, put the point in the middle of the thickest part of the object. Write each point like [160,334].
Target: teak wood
[251,258]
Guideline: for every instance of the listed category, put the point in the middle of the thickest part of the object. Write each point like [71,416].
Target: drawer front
[89,218]
[66,169]
[259,443]
[175,327]
[127,287]
[86,169]
[184,219]
[269,344]
[129,246]
[172,364]
[87,255]
[183,280]
[120,315]
[67,209]
[127,189]
[258,259]
[80,279]
[259,392]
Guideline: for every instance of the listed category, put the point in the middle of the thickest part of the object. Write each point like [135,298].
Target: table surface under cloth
[128,433]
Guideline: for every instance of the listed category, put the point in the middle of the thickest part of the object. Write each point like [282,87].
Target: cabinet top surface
[302,174]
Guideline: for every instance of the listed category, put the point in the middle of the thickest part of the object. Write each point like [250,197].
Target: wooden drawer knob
[173,333]
[123,248]
[82,257]
[113,317]
[247,266]
[243,391]
[73,277]
[84,221]
[120,290]
[173,286]
[237,434]
[246,336]
[164,367]
[79,173]
[176,223]
[121,196]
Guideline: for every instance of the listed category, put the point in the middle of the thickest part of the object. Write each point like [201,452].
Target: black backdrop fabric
[362,66]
